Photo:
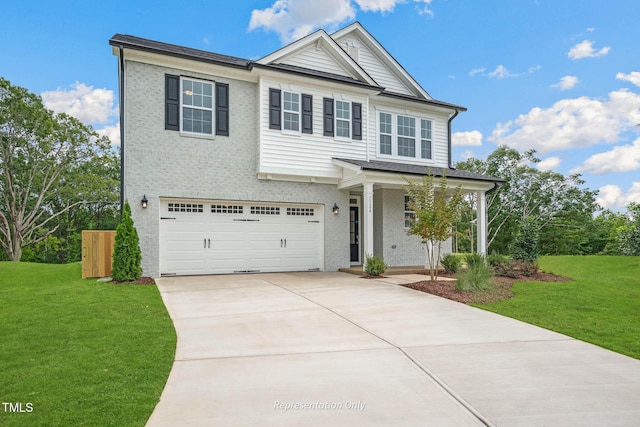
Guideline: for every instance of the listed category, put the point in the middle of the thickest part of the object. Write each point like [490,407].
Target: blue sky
[558,76]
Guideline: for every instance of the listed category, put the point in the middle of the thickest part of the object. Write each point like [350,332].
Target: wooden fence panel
[97,252]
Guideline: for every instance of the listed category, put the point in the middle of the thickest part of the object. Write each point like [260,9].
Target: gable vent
[353,51]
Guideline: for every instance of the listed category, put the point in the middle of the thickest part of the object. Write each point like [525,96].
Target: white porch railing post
[482,223]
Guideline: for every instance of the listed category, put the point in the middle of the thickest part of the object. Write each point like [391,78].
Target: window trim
[417,138]
[212,109]
[285,111]
[336,119]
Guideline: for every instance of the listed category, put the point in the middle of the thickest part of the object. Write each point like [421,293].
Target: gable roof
[386,59]
[321,40]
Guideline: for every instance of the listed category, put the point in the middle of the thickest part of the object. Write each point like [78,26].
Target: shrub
[514,269]
[374,265]
[451,263]
[525,244]
[477,277]
[474,259]
[126,253]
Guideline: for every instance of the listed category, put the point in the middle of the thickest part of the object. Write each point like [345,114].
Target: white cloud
[567,82]
[477,71]
[571,123]
[466,139]
[376,5]
[623,158]
[83,102]
[633,77]
[112,132]
[549,164]
[502,72]
[294,19]
[612,196]
[585,49]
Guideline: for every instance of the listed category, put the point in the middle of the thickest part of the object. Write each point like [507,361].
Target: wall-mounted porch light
[336,209]
[144,202]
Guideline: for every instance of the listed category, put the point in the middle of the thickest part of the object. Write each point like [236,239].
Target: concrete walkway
[332,349]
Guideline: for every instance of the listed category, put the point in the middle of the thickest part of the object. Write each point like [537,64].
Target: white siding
[375,67]
[316,58]
[306,154]
[440,150]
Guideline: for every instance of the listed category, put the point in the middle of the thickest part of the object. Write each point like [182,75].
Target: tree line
[563,215]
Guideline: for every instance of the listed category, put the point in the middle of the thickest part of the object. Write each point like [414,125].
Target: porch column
[368,220]
[481,223]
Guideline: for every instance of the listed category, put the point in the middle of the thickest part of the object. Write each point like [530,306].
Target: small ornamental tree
[436,212]
[127,257]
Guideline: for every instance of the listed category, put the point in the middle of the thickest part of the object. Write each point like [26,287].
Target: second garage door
[220,237]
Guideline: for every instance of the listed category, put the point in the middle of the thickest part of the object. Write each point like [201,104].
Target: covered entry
[219,237]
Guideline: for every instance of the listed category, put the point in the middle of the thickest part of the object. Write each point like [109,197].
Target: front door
[354,235]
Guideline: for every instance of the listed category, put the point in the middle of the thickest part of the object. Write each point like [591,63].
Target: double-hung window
[291,111]
[406,136]
[386,134]
[197,106]
[425,139]
[343,119]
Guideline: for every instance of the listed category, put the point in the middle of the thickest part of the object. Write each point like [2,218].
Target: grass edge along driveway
[81,352]
[601,305]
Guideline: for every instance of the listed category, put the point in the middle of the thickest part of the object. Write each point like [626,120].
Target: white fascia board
[321,38]
[381,52]
[187,65]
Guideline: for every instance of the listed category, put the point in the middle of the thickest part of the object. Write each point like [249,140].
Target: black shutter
[307,113]
[356,111]
[171,102]
[274,109]
[328,116]
[222,109]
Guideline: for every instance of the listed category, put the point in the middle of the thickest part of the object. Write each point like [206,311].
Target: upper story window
[385,133]
[291,111]
[425,139]
[406,136]
[197,106]
[398,136]
[343,119]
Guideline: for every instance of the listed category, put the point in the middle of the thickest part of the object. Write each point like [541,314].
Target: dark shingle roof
[408,169]
[139,43]
[320,74]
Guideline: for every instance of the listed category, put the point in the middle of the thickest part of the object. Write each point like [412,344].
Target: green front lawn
[79,351]
[601,305]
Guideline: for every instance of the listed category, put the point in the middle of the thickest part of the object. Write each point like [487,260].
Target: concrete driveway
[320,349]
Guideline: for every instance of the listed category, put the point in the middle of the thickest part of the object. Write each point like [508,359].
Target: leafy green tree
[543,196]
[45,163]
[525,244]
[127,257]
[436,212]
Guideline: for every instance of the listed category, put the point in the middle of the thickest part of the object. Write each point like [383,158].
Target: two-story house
[295,161]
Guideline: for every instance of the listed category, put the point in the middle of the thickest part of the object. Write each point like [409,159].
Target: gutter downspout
[449,136]
[121,102]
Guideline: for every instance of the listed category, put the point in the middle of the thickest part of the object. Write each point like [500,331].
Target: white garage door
[221,237]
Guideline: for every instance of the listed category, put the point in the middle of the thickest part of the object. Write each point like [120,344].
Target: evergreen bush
[525,244]
[127,258]
[374,265]
[451,263]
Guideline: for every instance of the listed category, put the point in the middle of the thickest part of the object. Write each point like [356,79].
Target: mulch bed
[500,291]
